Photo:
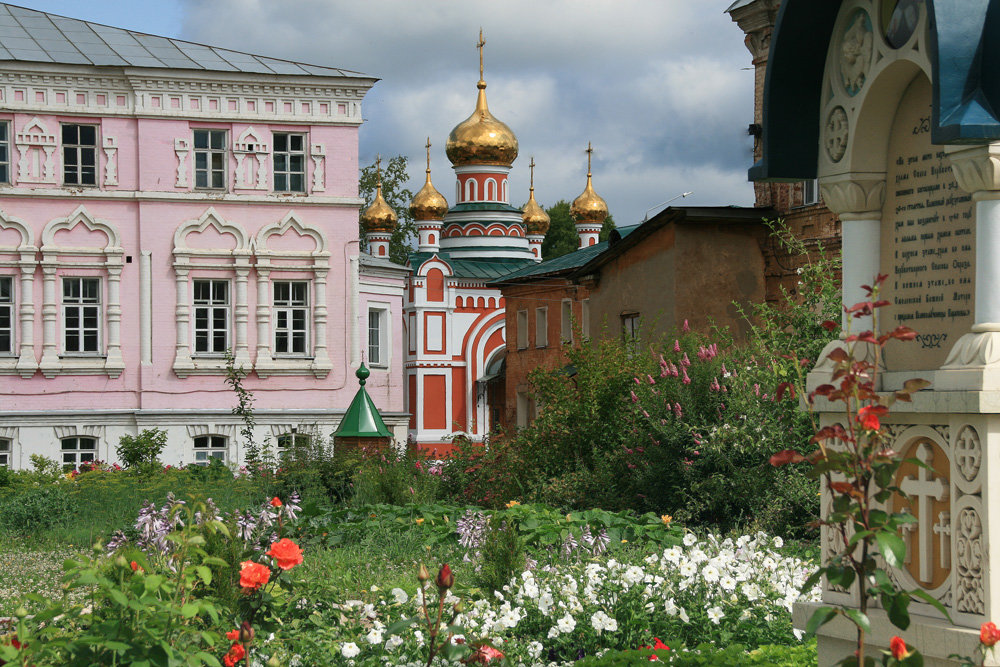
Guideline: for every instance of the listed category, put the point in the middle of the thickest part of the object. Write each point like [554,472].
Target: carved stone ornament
[975,350]
[970,592]
[976,169]
[968,456]
[836,134]
[853,193]
[856,52]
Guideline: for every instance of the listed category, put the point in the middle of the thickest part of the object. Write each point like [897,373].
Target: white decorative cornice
[853,192]
[976,169]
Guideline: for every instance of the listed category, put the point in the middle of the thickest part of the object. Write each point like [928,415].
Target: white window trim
[316,261]
[210,151]
[289,153]
[252,161]
[110,259]
[78,436]
[225,449]
[97,155]
[12,304]
[68,354]
[385,334]
[522,329]
[10,156]
[541,332]
[585,318]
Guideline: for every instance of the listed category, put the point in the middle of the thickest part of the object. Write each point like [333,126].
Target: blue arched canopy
[964,49]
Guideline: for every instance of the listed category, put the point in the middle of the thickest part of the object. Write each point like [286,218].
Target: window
[77,450]
[5,452]
[810,192]
[211,316]
[585,318]
[630,326]
[210,159]
[566,321]
[4,153]
[291,317]
[522,329]
[207,447]
[541,327]
[6,315]
[290,441]
[81,315]
[289,162]
[377,354]
[79,154]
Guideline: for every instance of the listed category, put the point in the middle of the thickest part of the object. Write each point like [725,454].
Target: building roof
[362,419]
[552,267]
[737,5]
[29,35]
[469,267]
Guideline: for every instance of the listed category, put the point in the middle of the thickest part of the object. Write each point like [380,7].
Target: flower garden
[648,514]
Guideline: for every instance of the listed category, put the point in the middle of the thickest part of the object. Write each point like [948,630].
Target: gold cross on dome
[531,166]
[589,151]
[479,45]
[378,168]
[428,147]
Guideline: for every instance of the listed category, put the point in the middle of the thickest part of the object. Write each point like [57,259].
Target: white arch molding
[21,257]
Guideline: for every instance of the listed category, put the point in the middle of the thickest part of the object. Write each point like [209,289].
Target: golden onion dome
[379,217]
[428,204]
[589,207]
[481,138]
[536,220]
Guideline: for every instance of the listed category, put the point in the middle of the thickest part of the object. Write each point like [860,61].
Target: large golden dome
[589,207]
[536,220]
[379,217]
[481,138]
[428,204]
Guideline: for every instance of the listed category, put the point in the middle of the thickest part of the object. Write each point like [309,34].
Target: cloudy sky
[663,90]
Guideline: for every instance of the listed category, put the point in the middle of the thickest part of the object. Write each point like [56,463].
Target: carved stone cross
[943,530]
[925,487]
[906,530]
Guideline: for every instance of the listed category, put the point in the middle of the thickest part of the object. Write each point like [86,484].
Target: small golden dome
[536,220]
[428,204]
[481,138]
[589,207]
[379,217]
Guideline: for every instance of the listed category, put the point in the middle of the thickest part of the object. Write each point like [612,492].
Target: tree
[398,196]
[562,237]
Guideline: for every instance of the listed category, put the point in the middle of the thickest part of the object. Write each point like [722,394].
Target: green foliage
[501,556]
[45,466]
[710,655]
[394,477]
[142,452]
[243,409]
[562,237]
[398,196]
[37,509]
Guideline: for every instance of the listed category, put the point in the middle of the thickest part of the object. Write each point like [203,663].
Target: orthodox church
[453,323]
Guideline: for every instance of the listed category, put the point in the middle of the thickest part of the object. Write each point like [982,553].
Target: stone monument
[907,152]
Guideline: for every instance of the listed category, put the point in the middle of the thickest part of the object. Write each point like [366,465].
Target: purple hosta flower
[586,537]
[569,545]
[117,541]
[471,528]
[265,518]
[292,506]
[601,541]
[246,525]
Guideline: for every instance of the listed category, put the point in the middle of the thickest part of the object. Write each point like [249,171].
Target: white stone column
[264,359]
[974,361]
[26,363]
[114,364]
[183,363]
[50,351]
[353,310]
[321,355]
[146,307]
[241,313]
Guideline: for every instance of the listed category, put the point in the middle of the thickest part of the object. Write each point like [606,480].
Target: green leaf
[892,547]
[898,610]
[926,597]
[190,609]
[400,625]
[208,659]
[820,617]
[205,574]
[860,620]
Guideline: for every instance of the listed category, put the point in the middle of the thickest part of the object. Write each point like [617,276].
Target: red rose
[989,634]
[868,416]
[253,575]
[898,648]
[445,578]
[134,566]
[286,553]
[236,653]
[275,502]
[233,635]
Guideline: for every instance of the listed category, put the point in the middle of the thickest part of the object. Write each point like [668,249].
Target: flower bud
[121,562]
[274,662]
[21,612]
[445,579]
[246,633]
[422,574]
[459,607]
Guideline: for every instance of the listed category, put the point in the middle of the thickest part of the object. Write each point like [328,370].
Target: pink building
[162,202]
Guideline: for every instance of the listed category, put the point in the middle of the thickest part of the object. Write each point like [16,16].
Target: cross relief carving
[927,493]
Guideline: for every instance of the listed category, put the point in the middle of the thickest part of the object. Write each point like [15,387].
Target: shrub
[394,477]
[501,556]
[142,451]
[36,509]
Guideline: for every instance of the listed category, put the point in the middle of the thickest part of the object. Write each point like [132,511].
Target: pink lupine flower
[645,414]
[637,380]
[686,379]
[677,410]
[677,345]
[685,361]
[756,389]
[663,362]
[685,328]
[650,378]
[673,370]
[635,399]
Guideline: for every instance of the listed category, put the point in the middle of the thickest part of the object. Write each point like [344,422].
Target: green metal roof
[362,419]
[559,264]
[483,206]
[484,269]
